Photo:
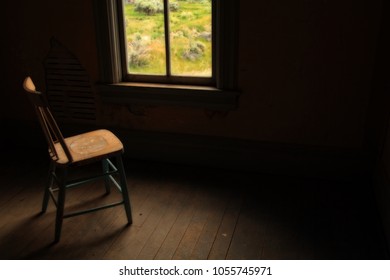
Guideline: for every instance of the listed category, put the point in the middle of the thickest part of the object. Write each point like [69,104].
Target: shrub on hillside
[174,6]
[149,7]
[152,7]
[139,51]
[194,51]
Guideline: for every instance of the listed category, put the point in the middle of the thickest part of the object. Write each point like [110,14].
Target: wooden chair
[65,153]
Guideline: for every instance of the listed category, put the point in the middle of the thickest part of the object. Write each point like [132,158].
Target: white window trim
[112,88]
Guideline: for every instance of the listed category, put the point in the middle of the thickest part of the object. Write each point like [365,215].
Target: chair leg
[49,184]
[60,204]
[125,193]
[106,169]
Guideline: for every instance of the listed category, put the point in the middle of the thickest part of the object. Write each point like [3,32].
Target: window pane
[191,38]
[144,29]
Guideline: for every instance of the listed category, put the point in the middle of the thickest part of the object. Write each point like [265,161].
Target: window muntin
[172,45]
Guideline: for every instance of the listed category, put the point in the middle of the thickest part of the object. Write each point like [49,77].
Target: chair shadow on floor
[30,236]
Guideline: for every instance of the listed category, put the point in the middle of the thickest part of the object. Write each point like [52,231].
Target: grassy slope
[187,24]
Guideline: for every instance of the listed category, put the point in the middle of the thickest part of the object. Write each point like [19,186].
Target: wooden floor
[191,213]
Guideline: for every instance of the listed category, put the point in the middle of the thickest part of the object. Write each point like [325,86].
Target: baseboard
[220,152]
[382,193]
[248,155]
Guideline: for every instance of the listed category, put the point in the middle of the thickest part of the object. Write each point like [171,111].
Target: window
[178,52]
[165,40]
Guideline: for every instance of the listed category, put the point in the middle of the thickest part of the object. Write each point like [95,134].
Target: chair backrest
[49,125]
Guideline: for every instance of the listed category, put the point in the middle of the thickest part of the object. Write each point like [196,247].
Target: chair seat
[88,146]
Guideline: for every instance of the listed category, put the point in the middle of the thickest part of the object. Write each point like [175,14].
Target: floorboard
[186,212]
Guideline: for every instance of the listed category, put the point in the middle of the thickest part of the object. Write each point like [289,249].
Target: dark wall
[386,154]
[29,27]
[305,69]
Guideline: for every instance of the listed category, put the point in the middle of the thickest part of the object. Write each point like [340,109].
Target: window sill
[171,95]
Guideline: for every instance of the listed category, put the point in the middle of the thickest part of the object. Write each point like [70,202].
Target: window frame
[114,88]
[168,78]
